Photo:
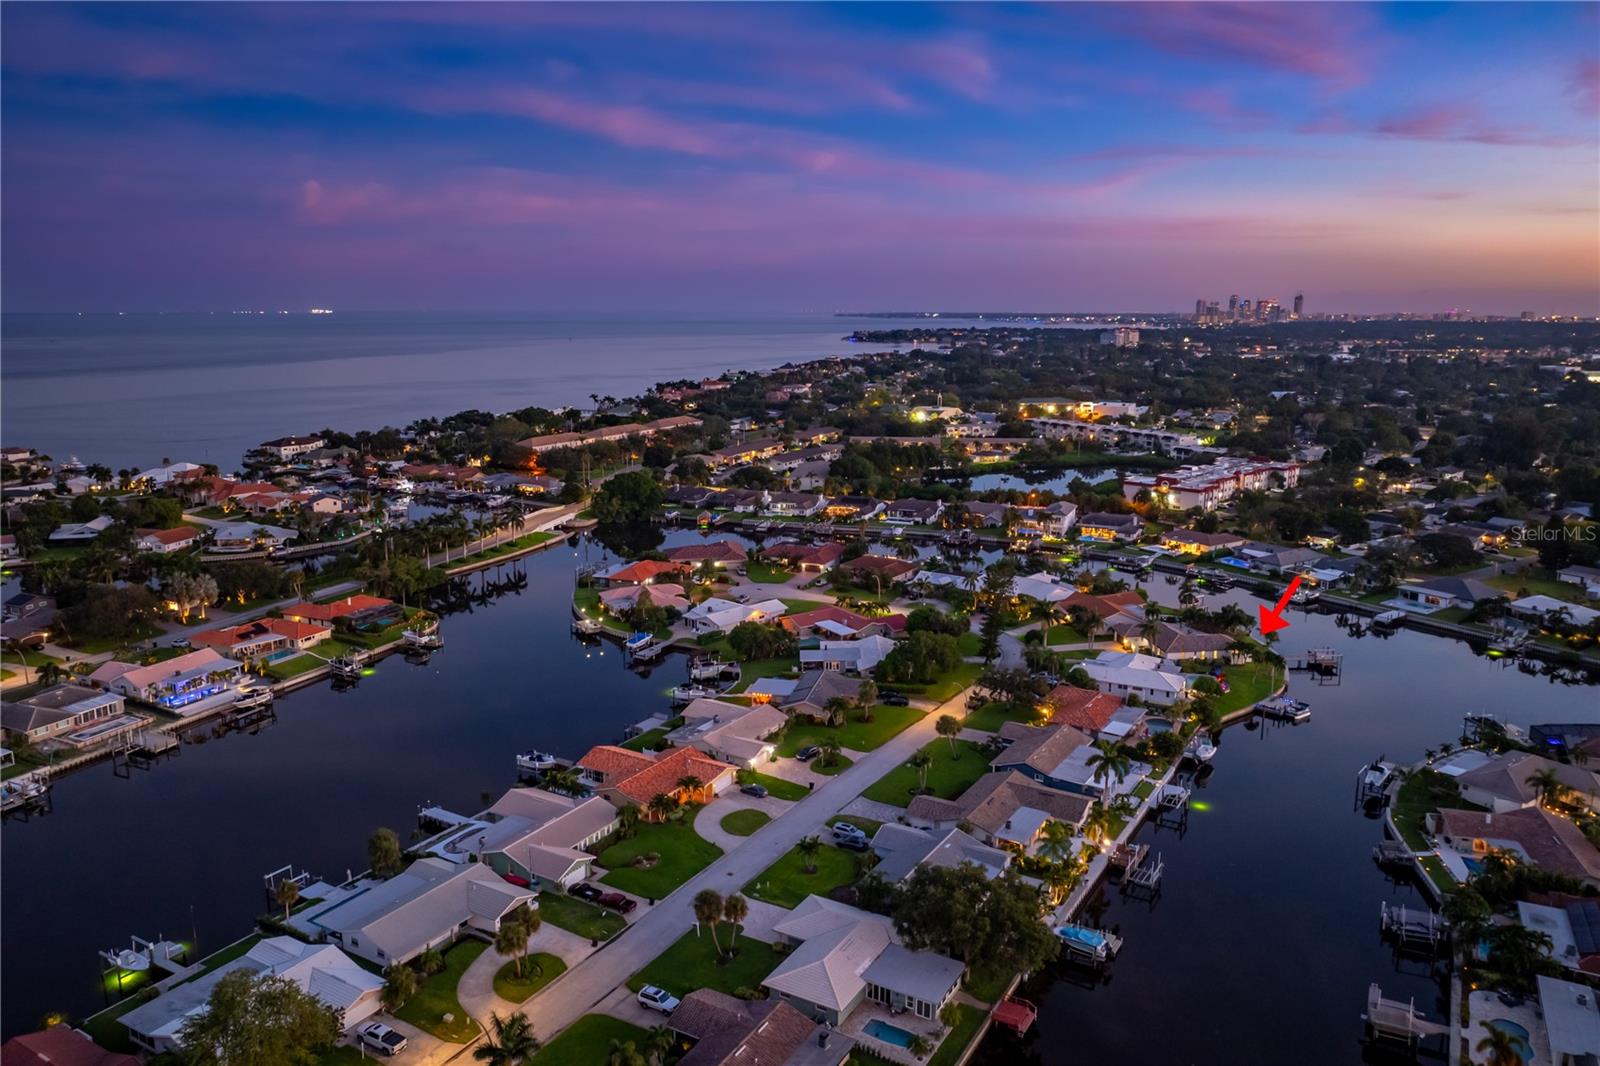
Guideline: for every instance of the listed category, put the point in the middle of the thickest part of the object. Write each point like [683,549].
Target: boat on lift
[254,696]
[422,640]
[683,695]
[346,667]
[533,761]
[708,669]
[1085,943]
[1286,709]
[1201,749]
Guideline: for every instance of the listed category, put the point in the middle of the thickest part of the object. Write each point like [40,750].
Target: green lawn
[1248,683]
[588,1040]
[342,1055]
[436,997]
[991,716]
[284,669]
[577,916]
[96,645]
[786,882]
[645,741]
[1065,634]
[681,852]
[743,823]
[840,764]
[756,669]
[1420,793]
[886,722]
[767,574]
[948,777]
[776,787]
[1538,582]
[988,983]
[529,540]
[538,970]
[691,963]
[969,644]
[946,685]
[968,1019]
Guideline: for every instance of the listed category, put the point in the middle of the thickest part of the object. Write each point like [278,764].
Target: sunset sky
[664,157]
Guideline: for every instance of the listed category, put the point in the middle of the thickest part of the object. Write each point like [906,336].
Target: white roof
[840,942]
[247,530]
[1042,587]
[1571,1017]
[1538,606]
[429,898]
[1134,678]
[1554,923]
[861,654]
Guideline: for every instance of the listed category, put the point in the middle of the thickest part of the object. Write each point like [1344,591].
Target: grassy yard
[576,916]
[645,741]
[1065,634]
[968,1019]
[987,982]
[691,963]
[1420,793]
[1247,684]
[786,882]
[436,997]
[96,645]
[991,716]
[1538,582]
[538,970]
[529,540]
[743,823]
[284,669]
[681,852]
[776,787]
[840,764]
[947,685]
[886,722]
[969,644]
[588,1041]
[948,777]
[758,668]
[767,574]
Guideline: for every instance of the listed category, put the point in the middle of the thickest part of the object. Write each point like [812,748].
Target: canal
[1260,948]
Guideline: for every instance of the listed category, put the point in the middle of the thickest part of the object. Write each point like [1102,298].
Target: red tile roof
[250,632]
[1081,708]
[717,551]
[644,570]
[641,778]
[1103,606]
[60,1046]
[797,623]
[327,612]
[176,535]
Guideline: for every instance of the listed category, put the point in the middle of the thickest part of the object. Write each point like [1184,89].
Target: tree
[1499,1047]
[1551,788]
[960,912]
[834,710]
[191,592]
[399,985]
[690,786]
[516,929]
[1055,842]
[828,752]
[509,1041]
[266,1021]
[808,849]
[628,820]
[660,1044]
[628,498]
[735,909]
[661,806]
[1468,913]
[948,726]
[384,855]
[287,893]
[708,910]
[1108,761]
[624,1053]
[919,762]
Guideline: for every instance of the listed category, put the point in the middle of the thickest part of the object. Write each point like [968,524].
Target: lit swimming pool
[1518,1033]
[879,1029]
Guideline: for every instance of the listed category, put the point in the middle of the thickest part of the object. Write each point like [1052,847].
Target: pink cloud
[1222,106]
[1463,123]
[1585,86]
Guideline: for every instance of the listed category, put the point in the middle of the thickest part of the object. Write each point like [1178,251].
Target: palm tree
[921,762]
[660,1044]
[516,929]
[691,787]
[735,910]
[835,709]
[948,726]
[708,910]
[661,806]
[628,817]
[1058,878]
[1502,1048]
[829,752]
[509,1042]
[399,985]
[1098,822]
[287,893]
[808,849]
[624,1053]
[1055,842]
[1108,761]
[1551,788]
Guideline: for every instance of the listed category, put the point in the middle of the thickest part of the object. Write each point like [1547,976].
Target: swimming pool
[879,1029]
[1518,1033]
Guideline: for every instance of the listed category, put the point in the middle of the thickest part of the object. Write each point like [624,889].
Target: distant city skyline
[569,157]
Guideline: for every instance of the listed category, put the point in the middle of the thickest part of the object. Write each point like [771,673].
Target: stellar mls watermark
[1585,532]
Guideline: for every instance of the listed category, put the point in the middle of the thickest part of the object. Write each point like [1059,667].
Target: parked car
[843,831]
[618,902]
[758,791]
[181,642]
[894,699]
[584,890]
[653,998]
[807,754]
[850,843]
[382,1039]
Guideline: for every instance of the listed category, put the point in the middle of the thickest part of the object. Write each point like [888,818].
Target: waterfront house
[10,550]
[744,453]
[692,496]
[1532,834]
[727,1031]
[1053,521]
[987,515]
[286,448]
[843,957]
[853,508]
[1002,808]
[27,618]
[249,536]
[718,553]
[856,656]
[1573,925]
[1276,559]
[1443,593]
[161,476]
[632,777]
[642,572]
[1544,610]
[1585,577]
[1176,641]
[1038,751]
[1128,674]
[265,639]
[60,1045]
[1571,1016]
[661,594]
[901,849]
[1200,545]
[533,834]
[74,715]
[1110,527]
[792,504]
[187,685]
[1042,587]
[81,532]
[165,541]
[1085,709]
[806,558]
[319,969]
[731,732]
[334,610]
[717,615]
[879,569]
[1502,783]
[810,694]
[841,623]
[455,475]
[913,512]
[429,904]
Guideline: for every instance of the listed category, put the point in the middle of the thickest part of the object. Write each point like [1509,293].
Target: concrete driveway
[708,823]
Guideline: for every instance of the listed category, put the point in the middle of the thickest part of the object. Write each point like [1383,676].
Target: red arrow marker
[1273,620]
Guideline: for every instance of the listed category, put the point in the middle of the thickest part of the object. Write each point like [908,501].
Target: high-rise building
[1233,306]
[1299,304]
[1200,308]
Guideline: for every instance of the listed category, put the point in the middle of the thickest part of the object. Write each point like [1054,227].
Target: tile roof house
[60,1045]
[1440,593]
[165,540]
[720,615]
[716,552]
[855,656]
[843,957]
[187,684]
[663,594]
[807,558]
[737,1032]
[427,905]
[264,638]
[886,568]
[1111,527]
[1003,807]
[1146,676]
[320,969]
[640,573]
[1038,751]
[1083,708]
[841,622]
[334,610]
[1532,833]
[913,512]
[61,711]
[1194,542]
[625,777]
[1175,641]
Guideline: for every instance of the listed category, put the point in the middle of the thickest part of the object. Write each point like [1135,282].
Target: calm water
[1269,905]
[1264,939]
[129,390]
[1044,480]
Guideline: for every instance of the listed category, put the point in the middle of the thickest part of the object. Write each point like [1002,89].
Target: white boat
[683,695]
[133,961]
[536,762]
[1305,595]
[586,625]
[707,669]
[258,696]
[1087,944]
[428,641]
[405,486]
[1201,749]
[1286,709]
[1373,780]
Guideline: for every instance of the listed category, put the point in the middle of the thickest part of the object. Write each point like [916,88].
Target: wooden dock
[1411,928]
[1389,1019]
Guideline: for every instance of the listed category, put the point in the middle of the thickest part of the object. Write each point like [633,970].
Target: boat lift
[1411,928]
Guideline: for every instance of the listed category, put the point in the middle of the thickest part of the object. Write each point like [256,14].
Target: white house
[852,656]
[249,536]
[731,732]
[81,532]
[719,615]
[1126,674]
